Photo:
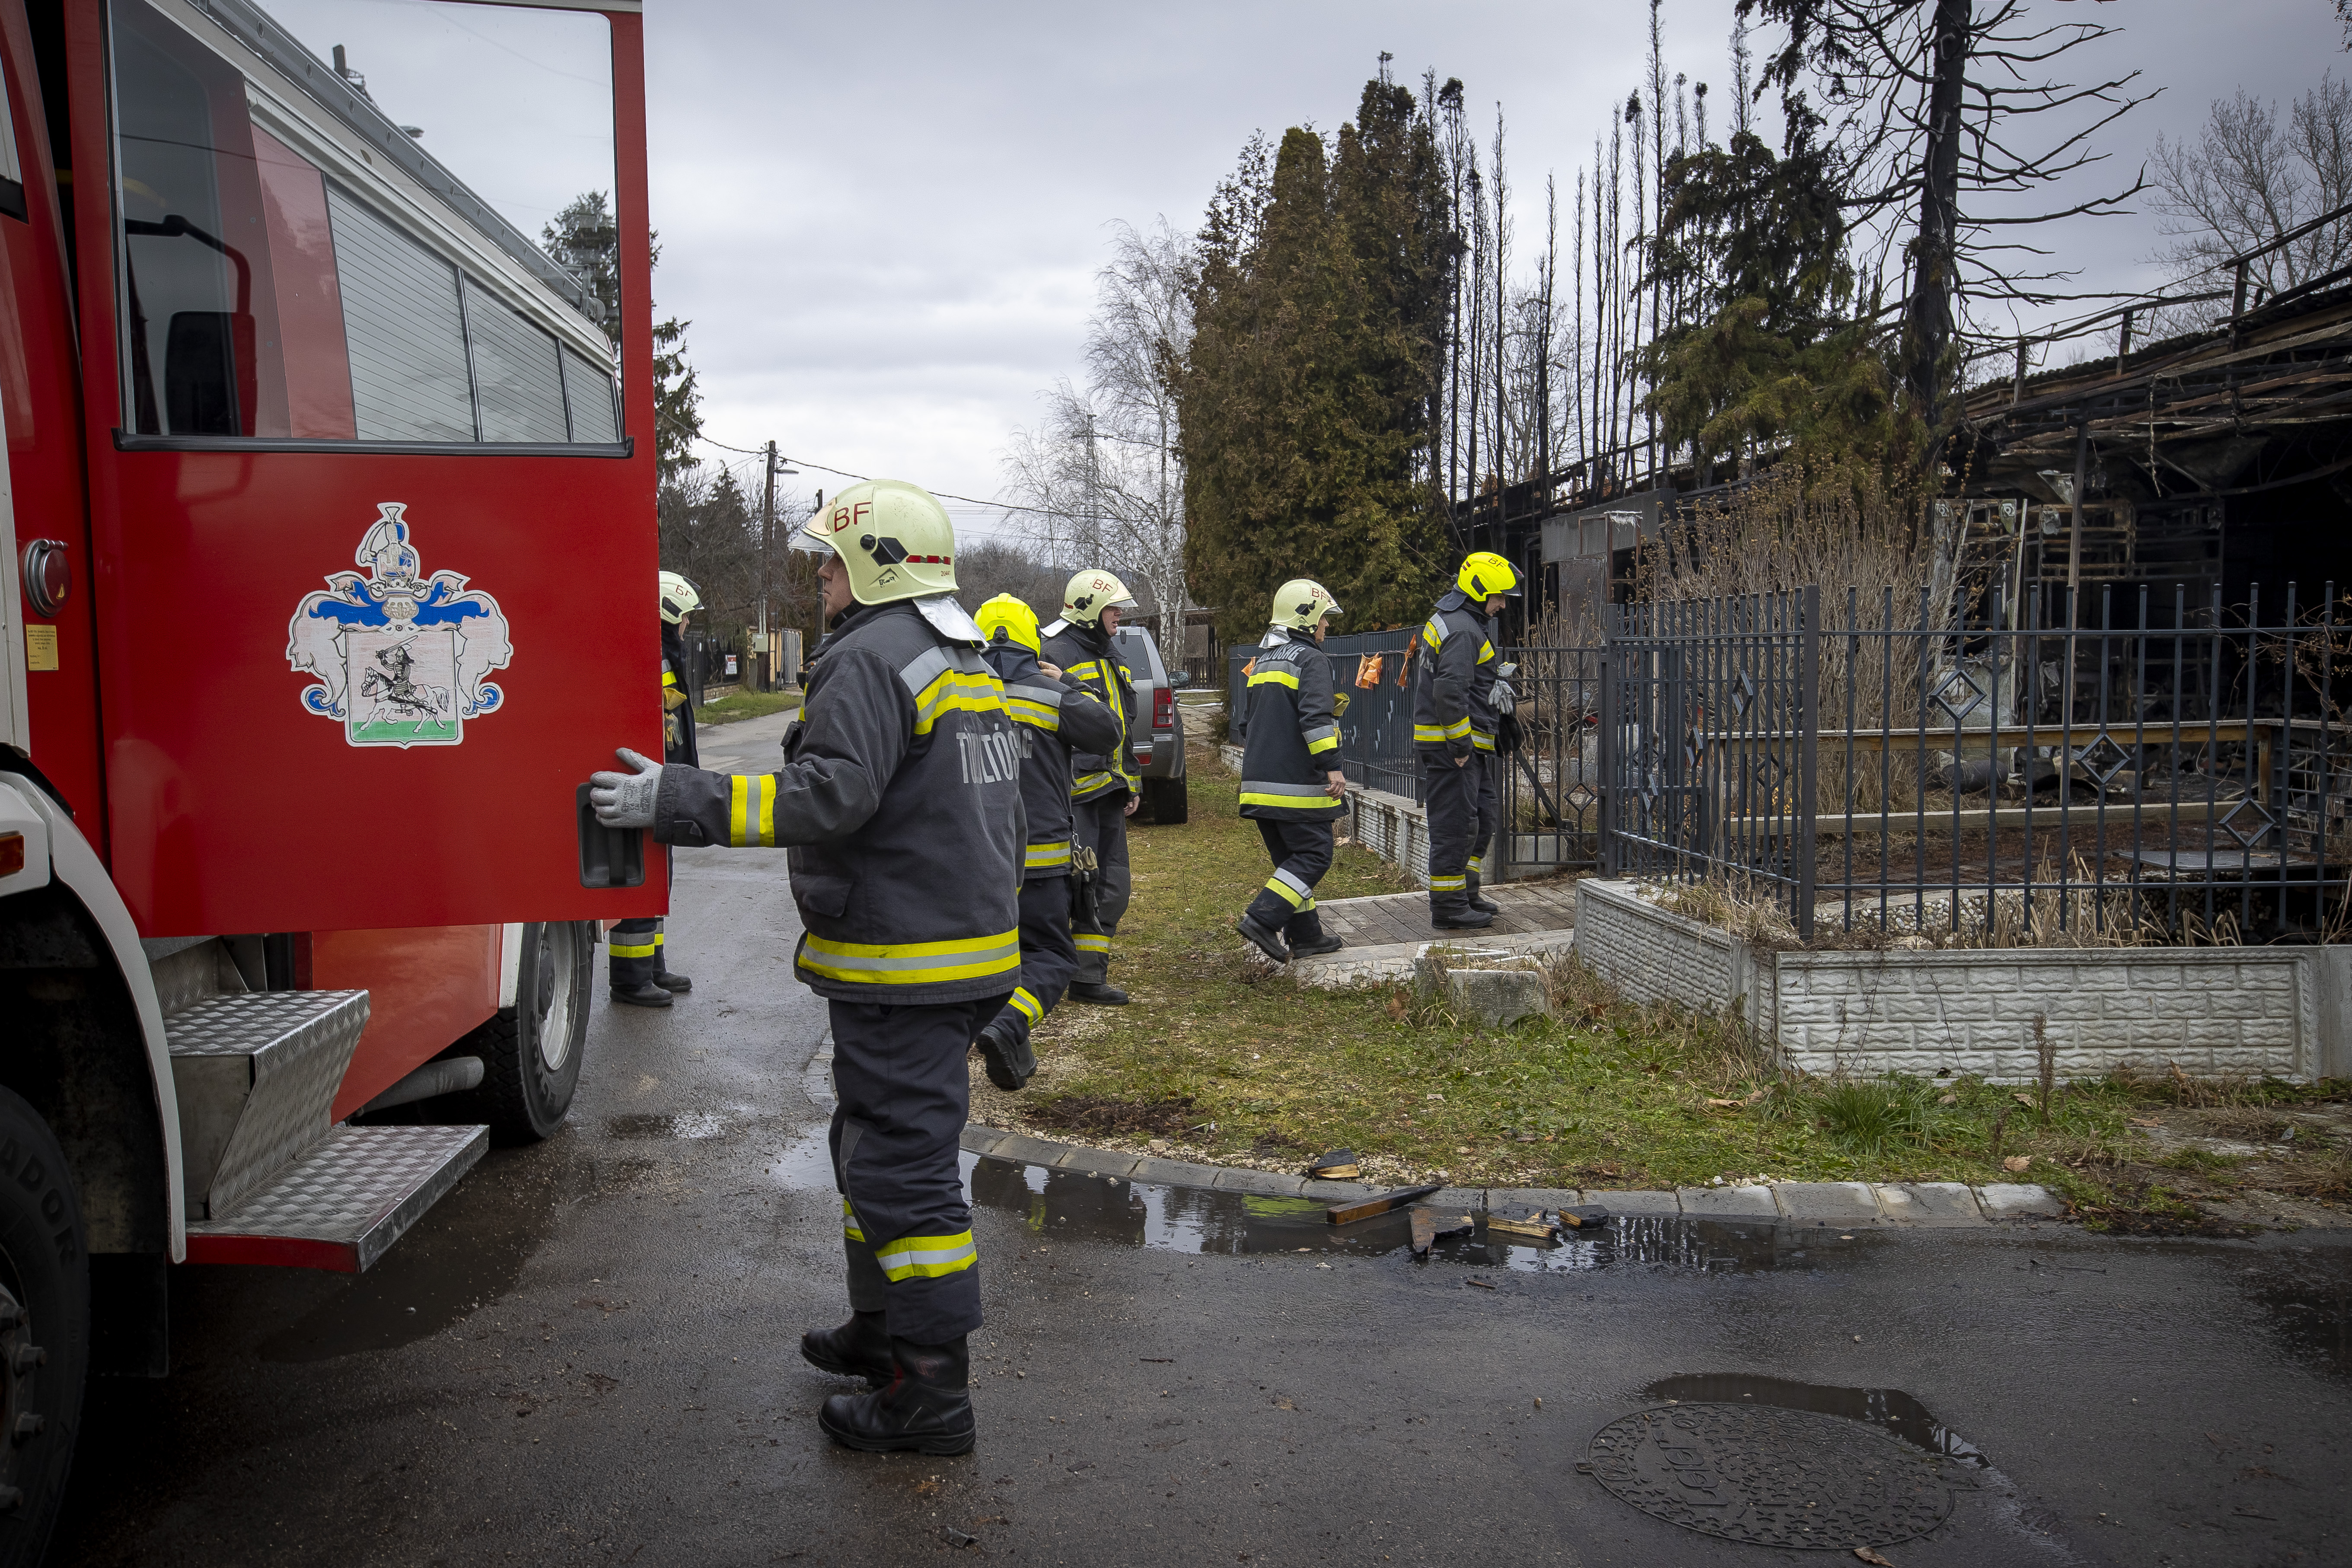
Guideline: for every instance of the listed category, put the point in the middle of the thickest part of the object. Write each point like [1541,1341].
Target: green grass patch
[1220,1058]
[746,705]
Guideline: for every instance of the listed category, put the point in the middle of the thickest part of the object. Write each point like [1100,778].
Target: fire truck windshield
[341,221]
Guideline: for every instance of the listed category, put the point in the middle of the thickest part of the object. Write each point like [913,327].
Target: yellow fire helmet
[679,597]
[1091,593]
[1006,619]
[1484,573]
[1300,603]
[894,538]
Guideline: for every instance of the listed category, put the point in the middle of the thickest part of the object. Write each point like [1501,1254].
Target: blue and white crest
[402,658]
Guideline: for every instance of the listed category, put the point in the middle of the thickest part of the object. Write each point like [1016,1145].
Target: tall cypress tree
[1317,329]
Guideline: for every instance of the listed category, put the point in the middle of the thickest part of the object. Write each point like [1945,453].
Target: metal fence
[2137,766]
[1549,786]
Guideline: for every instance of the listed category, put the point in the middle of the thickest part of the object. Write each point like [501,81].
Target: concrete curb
[1901,1206]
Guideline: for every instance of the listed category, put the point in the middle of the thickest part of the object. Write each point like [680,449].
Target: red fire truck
[327,575]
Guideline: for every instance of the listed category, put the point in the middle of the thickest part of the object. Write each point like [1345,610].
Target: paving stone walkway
[1386,932]
[1912,1204]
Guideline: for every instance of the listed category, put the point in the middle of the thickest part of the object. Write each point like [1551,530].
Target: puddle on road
[1071,1204]
[2307,1297]
[677,1125]
[1888,1408]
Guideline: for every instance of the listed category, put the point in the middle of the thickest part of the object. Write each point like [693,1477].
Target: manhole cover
[1774,1477]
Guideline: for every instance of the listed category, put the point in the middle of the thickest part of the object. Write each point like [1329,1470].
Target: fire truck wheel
[530,1052]
[44,1329]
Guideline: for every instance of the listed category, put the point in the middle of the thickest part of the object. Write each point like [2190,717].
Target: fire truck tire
[532,1051]
[1168,799]
[44,1329]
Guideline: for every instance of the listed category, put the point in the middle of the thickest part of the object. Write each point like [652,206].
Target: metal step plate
[257,1074]
[344,1201]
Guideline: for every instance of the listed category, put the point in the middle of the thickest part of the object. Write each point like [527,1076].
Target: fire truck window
[310,352]
[406,332]
[588,389]
[516,377]
[12,168]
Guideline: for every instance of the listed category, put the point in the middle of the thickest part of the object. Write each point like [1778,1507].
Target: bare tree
[2245,181]
[1102,473]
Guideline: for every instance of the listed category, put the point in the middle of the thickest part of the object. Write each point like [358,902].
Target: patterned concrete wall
[2210,1011]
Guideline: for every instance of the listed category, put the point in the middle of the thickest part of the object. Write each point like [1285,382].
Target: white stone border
[2276,1012]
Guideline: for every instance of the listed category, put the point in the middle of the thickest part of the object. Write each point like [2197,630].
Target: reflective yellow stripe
[1027,1005]
[1429,734]
[1459,728]
[1093,942]
[1040,855]
[849,1222]
[1447,884]
[926,1257]
[1319,801]
[1034,715]
[638,950]
[668,678]
[1482,741]
[1275,677]
[752,811]
[1087,781]
[1486,652]
[1280,885]
[1474,868]
[1327,743]
[957,691]
[911,963]
[1432,631]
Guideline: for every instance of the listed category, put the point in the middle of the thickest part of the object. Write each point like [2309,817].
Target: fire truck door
[371,480]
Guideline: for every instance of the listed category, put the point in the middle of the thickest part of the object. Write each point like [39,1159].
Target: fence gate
[1549,789]
[1706,748]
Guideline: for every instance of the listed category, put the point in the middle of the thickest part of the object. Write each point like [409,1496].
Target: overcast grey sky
[884,220]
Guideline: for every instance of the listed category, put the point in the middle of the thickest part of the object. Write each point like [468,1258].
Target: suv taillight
[1163,709]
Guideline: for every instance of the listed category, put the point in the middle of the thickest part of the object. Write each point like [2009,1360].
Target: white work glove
[627,800]
[1502,700]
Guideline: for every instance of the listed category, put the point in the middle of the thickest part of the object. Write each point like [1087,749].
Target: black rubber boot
[1266,939]
[859,1348]
[1095,991]
[673,983]
[1452,912]
[1484,906]
[1304,932]
[645,996]
[1007,1055]
[926,1408]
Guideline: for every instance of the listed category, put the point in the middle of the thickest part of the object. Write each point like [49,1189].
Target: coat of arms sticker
[401,659]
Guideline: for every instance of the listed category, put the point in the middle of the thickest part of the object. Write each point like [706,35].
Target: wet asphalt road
[588,1353]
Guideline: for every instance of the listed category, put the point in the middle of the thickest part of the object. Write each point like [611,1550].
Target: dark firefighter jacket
[900,797]
[1449,710]
[1290,744]
[1053,718]
[677,701]
[1089,656]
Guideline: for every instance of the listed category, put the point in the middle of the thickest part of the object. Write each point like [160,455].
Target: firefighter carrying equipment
[1485,574]
[900,797]
[1089,593]
[679,597]
[1291,738]
[1300,603]
[893,540]
[1454,678]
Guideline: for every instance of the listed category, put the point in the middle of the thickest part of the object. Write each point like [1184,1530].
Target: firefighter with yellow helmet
[1291,783]
[639,954]
[1056,717]
[1455,719]
[1103,792]
[899,796]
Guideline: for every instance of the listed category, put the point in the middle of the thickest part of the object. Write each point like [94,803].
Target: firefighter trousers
[1301,852]
[905,1229]
[1462,818]
[636,954]
[1049,957]
[1099,825]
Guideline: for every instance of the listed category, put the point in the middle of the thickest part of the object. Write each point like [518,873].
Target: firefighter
[1055,716]
[1103,792]
[640,973]
[900,798]
[1454,724]
[1291,783]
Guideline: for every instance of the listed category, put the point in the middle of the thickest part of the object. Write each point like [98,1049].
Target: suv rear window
[1141,654]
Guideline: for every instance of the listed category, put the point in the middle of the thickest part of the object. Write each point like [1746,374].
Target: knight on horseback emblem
[401,658]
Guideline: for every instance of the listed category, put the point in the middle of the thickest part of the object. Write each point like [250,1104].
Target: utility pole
[767,556]
[1092,539]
